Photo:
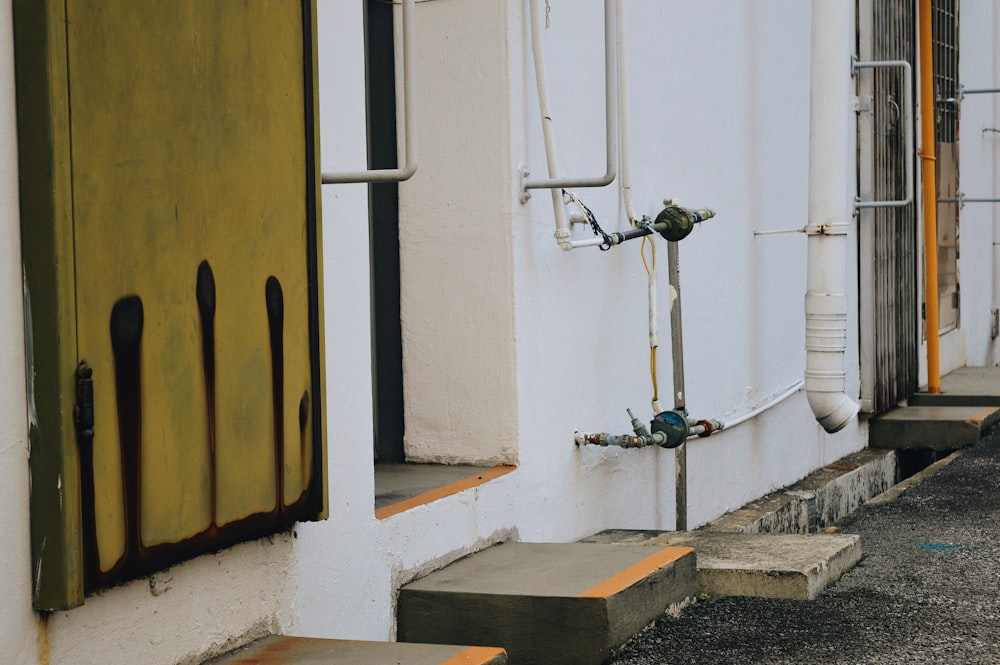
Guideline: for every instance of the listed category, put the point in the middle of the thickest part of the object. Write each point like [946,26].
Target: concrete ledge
[901,487]
[310,651]
[774,513]
[546,602]
[765,565]
[824,497]
[836,490]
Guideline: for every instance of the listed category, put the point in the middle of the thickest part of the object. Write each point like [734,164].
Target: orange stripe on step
[441,492]
[636,572]
[475,656]
[981,415]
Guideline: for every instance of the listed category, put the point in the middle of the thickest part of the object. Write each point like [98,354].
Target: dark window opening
[383,202]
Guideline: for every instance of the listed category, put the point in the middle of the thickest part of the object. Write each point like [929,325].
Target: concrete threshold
[931,427]
[548,603]
[965,386]
[956,417]
[281,650]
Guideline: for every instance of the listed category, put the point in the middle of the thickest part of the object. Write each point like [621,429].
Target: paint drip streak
[205,296]
[127,320]
[126,338]
[274,301]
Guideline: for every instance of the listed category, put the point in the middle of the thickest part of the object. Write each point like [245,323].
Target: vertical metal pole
[867,347]
[677,355]
[927,155]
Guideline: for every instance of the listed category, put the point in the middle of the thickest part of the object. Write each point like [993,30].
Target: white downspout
[831,195]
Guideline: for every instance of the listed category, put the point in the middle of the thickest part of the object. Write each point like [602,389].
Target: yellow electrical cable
[652,349]
[652,372]
[642,249]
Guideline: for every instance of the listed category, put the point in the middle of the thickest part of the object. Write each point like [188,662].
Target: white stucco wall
[511,344]
[17,622]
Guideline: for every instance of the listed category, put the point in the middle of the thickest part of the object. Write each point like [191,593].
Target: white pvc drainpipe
[554,182]
[409,166]
[830,212]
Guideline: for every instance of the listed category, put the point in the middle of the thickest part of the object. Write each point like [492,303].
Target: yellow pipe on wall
[927,150]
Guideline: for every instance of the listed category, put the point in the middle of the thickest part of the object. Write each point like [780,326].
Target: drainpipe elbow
[832,410]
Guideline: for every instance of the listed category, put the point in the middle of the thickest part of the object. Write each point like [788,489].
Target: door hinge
[83,412]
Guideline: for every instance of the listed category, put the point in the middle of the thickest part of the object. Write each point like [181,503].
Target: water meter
[673,425]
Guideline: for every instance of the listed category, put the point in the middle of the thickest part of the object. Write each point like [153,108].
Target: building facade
[497,346]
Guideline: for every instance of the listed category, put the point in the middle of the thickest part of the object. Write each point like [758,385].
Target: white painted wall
[718,123]
[978,152]
[510,343]
[455,240]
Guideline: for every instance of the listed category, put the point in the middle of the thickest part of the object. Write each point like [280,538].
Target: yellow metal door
[194,239]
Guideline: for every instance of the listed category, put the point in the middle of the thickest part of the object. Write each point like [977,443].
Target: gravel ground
[926,591]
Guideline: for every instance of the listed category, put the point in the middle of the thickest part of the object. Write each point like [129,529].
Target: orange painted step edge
[441,492]
[636,572]
[475,656]
[981,415]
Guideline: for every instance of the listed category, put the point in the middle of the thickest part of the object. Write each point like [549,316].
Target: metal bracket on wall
[961,199]
[910,154]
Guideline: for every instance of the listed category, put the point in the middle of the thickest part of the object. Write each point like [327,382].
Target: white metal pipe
[788,392]
[589,242]
[610,106]
[830,212]
[623,125]
[562,233]
[910,153]
[409,165]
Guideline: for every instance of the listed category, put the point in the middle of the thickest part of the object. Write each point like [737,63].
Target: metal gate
[887,236]
[946,133]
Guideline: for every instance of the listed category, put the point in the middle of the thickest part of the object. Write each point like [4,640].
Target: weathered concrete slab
[933,427]
[775,513]
[546,602]
[836,490]
[965,386]
[281,650]
[765,565]
[824,497]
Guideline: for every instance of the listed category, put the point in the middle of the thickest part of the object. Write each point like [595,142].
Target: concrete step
[769,547]
[765,565]
[965,386]
[310,651]
[822,498]
[931,427]
[547,602]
